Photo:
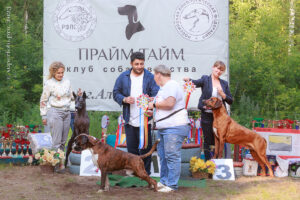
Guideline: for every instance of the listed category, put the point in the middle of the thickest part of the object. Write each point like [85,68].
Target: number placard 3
[224,169]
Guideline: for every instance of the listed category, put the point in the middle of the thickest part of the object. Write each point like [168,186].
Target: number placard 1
[224,169]
[87,167]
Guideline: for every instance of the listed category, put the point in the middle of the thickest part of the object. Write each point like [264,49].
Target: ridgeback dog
[109,159]
[81,121]
[228,130]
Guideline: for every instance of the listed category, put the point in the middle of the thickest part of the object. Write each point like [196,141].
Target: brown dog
[228,130]
[109,159]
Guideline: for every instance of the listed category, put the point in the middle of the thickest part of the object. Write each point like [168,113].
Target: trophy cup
[296,125]
[27,147]
[269,123]
[27,144]
[253,124]
[22,148]
[39,129]
[1,143]
[262,125]
[4,146]
[22,135]
[17,141]
[10,143]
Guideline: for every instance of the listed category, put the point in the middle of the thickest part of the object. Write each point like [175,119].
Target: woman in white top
[57,93]
[172,123]
[211,86]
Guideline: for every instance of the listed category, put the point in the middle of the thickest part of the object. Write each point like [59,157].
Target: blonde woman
[57,93]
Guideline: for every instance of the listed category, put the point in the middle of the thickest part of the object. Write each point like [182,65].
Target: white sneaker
[159,185]
[165,189]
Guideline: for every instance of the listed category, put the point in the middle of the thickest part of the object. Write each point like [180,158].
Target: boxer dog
[109,159]
[228,130]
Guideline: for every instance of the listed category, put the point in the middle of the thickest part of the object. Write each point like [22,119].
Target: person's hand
[129,100]
[186,79]
[44,122]
[221,93]
[79,92]
[150,106]
[149,113]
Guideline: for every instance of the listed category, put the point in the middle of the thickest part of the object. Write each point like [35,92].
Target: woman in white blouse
[57,93]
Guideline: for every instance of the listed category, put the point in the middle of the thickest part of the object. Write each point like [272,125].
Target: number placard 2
[224,169]
[87,167]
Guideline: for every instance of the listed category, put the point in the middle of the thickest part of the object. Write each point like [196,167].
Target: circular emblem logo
[74,20]
[196,20]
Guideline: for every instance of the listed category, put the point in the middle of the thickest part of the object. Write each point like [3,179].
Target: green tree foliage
[21,55]
[260,66]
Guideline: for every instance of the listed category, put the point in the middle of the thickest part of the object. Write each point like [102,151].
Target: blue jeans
[169,152]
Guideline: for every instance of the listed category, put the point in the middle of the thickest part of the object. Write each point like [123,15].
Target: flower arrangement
[199,165]
[49,157]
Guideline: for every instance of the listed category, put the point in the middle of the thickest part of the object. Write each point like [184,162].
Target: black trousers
[208,134]
[132,141]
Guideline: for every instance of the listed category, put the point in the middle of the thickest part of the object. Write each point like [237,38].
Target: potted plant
[200,168]
[48,159]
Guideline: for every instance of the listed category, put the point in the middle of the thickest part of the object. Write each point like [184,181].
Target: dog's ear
[84,139]
[84,95]
[92,140]
[74,95]
[135,16]
[218,104]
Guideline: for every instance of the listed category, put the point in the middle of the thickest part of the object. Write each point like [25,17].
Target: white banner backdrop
[94,39]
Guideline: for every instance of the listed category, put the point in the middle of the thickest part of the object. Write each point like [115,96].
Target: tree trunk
[25,17]
[291,25]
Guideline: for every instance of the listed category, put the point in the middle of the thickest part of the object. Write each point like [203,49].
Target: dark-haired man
[129,85]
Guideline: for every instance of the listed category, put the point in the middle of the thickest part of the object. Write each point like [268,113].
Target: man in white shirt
[129,85]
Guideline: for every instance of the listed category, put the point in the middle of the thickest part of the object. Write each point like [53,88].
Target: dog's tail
[151,150]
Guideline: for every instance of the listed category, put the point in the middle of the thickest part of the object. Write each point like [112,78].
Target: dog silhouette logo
[196,20]
[74,20]
[134,25]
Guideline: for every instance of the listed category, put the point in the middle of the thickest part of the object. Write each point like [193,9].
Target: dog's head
[80,102]
[84,141]
[213,103]
[129,10]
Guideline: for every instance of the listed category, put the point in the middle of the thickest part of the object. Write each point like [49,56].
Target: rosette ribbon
[104,125]
[188,87]
[198,135]
[142,103]
[119,139]
[190,136]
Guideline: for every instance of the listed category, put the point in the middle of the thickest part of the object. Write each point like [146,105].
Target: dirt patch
[27,182]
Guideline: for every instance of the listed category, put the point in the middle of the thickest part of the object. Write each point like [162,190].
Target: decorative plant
[49,157]
[199,165]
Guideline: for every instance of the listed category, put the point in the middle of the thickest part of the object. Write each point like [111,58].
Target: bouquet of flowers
[49,157]
[199,165]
